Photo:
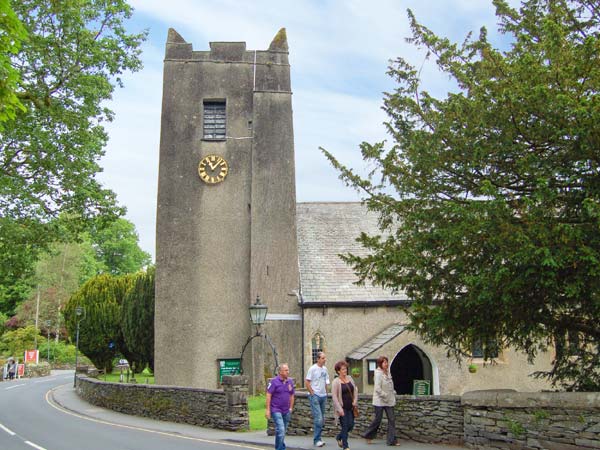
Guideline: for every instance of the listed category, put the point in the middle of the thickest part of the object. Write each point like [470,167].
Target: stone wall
[435,419]
[225,410]
[479,419]
[37,370]
[553,420]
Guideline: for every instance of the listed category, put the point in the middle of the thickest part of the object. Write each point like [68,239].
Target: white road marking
[15,386]
[44,381]
[35,446]
[12,433]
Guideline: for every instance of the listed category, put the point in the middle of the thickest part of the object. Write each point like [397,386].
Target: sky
[339,54]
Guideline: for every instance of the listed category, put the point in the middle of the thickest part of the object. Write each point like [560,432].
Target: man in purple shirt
[280,403]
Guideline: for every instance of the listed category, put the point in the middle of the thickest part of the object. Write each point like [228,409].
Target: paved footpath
[65,397]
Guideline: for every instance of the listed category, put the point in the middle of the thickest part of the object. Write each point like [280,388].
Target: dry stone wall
[435,419]
[224,410]
[524,420]
[480,420]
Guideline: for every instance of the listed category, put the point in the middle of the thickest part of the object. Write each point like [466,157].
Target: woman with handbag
[345,398]
[384,399]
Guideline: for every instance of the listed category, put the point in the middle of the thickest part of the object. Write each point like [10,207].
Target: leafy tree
[3,319]
[100,336]
[58,274]
[19,250]
[11,36]
[71,55]
[489,198]
[137,321]
[117,248]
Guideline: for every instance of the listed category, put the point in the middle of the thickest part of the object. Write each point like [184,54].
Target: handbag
[355,410]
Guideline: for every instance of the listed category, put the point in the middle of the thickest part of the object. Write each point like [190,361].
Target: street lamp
[48,324]
[258,315]
[79,312]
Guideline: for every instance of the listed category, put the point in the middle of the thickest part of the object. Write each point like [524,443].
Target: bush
[14,343]
[61,353]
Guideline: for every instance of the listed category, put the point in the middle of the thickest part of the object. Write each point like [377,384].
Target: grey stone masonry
[224,410]
[479,419]
[532,420]
[431,419]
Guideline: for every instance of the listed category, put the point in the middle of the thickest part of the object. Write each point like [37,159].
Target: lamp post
[258,315]
[79,312]
[48,324]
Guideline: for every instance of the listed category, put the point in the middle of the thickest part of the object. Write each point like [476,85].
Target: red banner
[31,356]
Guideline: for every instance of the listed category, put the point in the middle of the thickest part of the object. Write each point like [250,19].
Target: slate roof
[376,342]
[326,230]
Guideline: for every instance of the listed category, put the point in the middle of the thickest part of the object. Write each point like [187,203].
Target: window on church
[477,350]
[317,346]
[214,119]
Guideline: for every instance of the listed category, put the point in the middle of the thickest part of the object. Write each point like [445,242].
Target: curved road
[30,420]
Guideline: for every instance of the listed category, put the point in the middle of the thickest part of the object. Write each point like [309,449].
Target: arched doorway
[410,364]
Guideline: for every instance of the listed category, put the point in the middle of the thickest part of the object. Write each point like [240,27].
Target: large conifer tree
[490,197]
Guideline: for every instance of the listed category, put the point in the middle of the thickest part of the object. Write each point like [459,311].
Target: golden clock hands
[217,163]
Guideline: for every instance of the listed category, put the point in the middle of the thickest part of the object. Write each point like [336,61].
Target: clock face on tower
[213,169]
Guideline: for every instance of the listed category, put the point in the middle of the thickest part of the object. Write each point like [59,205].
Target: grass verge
[256,413]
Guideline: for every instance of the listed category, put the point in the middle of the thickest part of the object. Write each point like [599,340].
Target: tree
[137,322]
[13,33]
[117,248]
[100,336]
[489,198]
[58,274]
[66,69]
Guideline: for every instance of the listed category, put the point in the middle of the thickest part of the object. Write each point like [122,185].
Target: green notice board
[229,366]
[421,387]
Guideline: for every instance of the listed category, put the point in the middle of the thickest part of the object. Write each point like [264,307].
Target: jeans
[317,406]
[371,432]
[281,423]
[347,425]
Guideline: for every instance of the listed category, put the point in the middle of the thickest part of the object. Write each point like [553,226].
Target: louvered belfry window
[214,120]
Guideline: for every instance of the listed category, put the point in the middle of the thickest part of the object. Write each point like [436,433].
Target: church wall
[345,329]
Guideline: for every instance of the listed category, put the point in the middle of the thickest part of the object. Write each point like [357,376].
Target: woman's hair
[338,366]
[381,359]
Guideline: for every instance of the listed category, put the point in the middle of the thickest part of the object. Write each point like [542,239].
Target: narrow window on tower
[214,119]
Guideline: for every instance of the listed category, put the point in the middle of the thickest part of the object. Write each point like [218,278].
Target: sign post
[229,366]
[421,387]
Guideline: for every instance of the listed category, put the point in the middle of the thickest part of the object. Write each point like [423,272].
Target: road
[30,420]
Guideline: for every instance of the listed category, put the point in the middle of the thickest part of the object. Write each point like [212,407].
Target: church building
[229,230]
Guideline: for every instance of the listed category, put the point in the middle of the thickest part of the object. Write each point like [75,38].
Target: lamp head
[258,312]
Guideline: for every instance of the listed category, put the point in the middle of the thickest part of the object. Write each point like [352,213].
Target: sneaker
[340,443]
[319,444]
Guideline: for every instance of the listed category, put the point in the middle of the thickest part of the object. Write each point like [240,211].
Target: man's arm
[309,387]
[268,408]
[292,398]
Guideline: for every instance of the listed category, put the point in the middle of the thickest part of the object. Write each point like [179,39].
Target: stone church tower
[226,217]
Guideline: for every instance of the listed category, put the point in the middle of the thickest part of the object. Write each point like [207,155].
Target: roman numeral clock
[213,169]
